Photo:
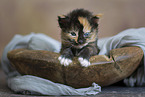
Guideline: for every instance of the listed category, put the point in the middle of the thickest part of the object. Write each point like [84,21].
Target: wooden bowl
[103,70]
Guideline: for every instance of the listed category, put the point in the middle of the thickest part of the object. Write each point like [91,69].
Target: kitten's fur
[79,36]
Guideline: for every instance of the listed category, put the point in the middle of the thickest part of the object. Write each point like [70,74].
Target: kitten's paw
[84,62]
[64,61]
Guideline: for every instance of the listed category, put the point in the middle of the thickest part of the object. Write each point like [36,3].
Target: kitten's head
[79,27]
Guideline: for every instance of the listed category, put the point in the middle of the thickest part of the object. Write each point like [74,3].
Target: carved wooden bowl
[103,70]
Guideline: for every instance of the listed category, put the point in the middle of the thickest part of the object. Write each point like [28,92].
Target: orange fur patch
[99,15]
[85,23]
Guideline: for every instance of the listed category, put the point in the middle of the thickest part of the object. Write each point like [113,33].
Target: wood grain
[103,70]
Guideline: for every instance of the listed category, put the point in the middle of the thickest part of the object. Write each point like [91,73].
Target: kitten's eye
[87,35]
[73,33]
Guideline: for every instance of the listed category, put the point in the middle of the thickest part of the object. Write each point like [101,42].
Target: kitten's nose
[80,41]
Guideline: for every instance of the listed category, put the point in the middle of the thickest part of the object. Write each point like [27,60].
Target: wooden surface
[103,71]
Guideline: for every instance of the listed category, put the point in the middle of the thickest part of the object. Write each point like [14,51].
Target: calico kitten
[79,31]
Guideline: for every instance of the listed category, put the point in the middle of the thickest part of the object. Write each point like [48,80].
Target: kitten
[79,31]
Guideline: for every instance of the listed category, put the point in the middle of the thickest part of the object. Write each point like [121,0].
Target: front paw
[64,61]
[84,62]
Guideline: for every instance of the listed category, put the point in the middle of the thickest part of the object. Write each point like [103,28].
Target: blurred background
[25,16]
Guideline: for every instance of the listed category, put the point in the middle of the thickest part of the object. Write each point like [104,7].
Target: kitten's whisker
[66,41]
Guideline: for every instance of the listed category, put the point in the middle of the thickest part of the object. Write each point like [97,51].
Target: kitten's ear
[99,15]
[95,19]
[63,21]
